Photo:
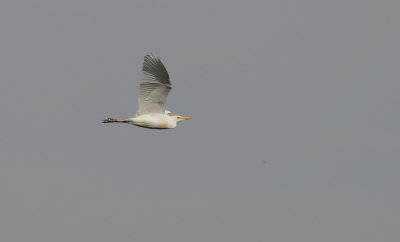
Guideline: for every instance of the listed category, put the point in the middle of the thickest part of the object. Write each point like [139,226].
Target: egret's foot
[110,120]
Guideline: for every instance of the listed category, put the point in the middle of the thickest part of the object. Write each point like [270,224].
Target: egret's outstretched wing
[155,86]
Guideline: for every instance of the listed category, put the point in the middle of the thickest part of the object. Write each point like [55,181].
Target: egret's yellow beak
[186,118]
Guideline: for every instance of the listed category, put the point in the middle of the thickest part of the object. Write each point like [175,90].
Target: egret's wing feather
[152,97]
[155,86]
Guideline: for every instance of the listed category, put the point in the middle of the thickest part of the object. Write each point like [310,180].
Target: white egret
[154,90]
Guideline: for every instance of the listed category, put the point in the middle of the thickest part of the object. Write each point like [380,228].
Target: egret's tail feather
[110,120]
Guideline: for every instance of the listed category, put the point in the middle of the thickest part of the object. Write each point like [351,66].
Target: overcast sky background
[295,131]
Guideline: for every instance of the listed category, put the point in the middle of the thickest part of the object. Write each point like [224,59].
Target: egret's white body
[154,90]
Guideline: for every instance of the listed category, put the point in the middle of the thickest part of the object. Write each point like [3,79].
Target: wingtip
[152,54]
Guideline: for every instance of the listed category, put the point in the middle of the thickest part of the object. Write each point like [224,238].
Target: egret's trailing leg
[113,120]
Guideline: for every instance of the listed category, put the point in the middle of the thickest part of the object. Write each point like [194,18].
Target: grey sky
[295,132]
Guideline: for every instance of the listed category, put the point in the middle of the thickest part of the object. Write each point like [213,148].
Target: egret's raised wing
[155,86]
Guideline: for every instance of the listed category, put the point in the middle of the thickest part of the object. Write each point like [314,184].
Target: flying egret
[154,90]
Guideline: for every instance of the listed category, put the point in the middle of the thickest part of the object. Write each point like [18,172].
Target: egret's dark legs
[113,120]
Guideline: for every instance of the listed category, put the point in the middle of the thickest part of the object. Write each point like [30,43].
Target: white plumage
[154,90]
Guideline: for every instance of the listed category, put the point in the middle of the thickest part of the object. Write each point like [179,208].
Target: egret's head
[178,118]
